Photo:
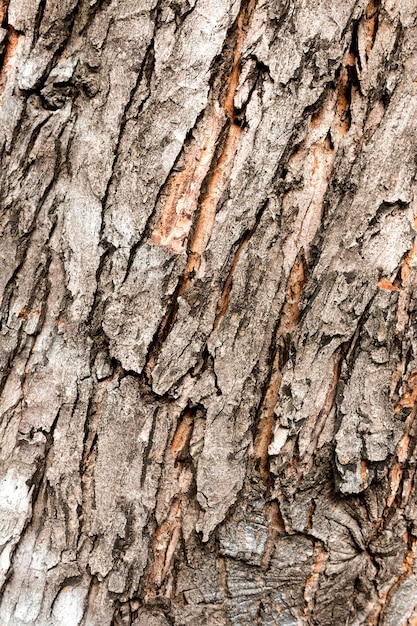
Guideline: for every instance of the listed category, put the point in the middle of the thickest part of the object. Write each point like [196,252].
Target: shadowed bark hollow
[208,313]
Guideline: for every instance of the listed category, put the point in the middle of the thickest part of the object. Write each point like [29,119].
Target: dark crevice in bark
[354,48]
[206,358]
[38,21]
[166,537]
[87,462]
[407,568]
[67,25]
[95,315]
[299,133]
[145,71]
[25,240]
[24,248]
[223,303]
[89,12]
[161,334]
[25,166]
[147,450]
[40,285]
[151,222]
[350,348]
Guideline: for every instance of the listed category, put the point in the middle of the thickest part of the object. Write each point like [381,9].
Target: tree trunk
[208,339]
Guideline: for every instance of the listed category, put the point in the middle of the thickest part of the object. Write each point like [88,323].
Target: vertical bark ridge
[288,322]
[200,183]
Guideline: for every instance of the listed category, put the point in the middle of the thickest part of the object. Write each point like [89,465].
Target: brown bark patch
[23,314]
[408,399]
[183,434]
[401,455]
[372,21]
[216,186]
[9,55]
[384,283]
[276,527]
[165,542]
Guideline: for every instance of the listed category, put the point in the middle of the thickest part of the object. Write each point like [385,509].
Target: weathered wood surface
[208,311]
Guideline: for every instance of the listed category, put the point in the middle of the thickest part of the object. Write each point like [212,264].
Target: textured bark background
[208,311]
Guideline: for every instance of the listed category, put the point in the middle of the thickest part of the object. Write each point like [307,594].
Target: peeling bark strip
[208,341]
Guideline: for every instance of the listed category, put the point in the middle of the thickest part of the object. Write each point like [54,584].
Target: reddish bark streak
[173,229]
[168,533]
[372,20]
[4,5]
[276,527]
[312,583]
[183,433]
[289,320]
[8,55]
[384,283]
[406,571]
[181,199]
[184,187]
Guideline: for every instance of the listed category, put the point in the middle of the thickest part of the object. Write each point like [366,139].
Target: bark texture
[208,313]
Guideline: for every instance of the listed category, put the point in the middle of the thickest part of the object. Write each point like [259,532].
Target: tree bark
[208,313]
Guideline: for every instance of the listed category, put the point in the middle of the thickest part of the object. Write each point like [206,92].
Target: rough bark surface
[208,313]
